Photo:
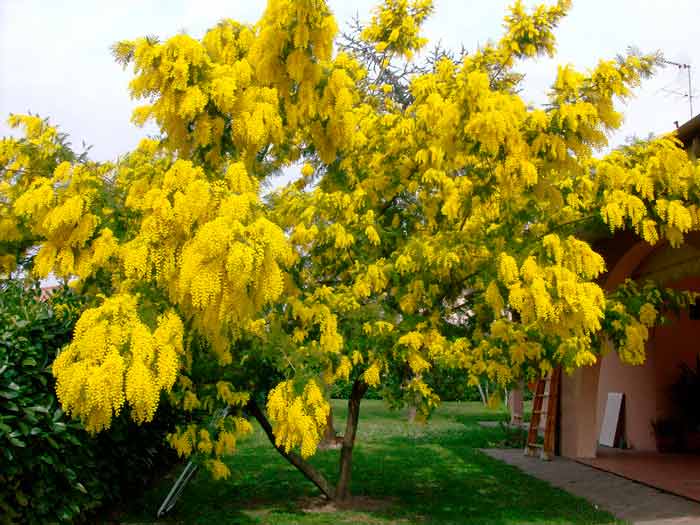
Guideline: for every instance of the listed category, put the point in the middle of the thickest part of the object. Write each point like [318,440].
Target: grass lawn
[402,473]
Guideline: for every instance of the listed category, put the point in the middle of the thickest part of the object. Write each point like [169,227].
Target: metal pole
[690,83]
[690,91]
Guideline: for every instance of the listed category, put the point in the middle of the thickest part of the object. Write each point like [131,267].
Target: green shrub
[449,386]
[341,390]
[51,469]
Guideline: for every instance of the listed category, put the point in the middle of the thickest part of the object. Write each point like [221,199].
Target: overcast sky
[55,54]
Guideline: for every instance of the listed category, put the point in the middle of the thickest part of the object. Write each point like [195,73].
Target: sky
[55,57]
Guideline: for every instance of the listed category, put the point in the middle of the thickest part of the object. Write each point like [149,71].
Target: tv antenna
[681,67]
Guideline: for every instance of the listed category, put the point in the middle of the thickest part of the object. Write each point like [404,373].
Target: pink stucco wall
[638,384]
[646,387]
[578,430]
[673,344]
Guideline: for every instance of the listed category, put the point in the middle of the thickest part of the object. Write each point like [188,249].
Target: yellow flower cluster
[59,203]
[396,24]
[212,443]
[652,197]
[313,315]
[371,375]
[558,296]
[494,299]
[628,323]
[227,394]
[115,358]
[218,469]
[633,351]
[648,315]
[531,34]
[299,420]
[173,70]
[206,243]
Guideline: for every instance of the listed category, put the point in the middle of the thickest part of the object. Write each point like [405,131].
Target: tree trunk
[330,437]
[359,388]
[412,411]
[313,475]
[482,394]
[515,404]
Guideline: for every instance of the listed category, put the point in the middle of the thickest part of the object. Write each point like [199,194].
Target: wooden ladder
[547,388]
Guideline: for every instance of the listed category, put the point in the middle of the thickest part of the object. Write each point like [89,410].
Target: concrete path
[625,499]
[675,473]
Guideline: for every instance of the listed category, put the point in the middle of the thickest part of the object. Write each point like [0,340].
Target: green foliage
[51,469]
[449,385]
[341,390]
[452,385]
[35,437]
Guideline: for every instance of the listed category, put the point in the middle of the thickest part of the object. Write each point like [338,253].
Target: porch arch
[579,399]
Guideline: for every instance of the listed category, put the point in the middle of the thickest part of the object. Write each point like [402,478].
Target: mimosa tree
[435,225]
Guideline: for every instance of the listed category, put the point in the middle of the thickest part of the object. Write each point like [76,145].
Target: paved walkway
[674,473]
[625,499]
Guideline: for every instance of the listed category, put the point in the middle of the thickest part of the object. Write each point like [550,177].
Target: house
[646,387]
[47,291]
[689,135]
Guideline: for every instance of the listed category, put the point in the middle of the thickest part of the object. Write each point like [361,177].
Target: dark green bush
[51,470]
[341,390]
[449,386]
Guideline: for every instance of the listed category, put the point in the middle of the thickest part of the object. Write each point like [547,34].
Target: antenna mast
[690,84]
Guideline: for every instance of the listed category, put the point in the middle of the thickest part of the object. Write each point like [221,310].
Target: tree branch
[309,472]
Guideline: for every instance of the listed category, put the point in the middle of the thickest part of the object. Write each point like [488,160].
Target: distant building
[47,291]
[689,135]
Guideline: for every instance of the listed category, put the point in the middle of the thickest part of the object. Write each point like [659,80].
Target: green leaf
[17,442]
[21,498]
[9,395]
[72,439]
[29,361]
[23,428]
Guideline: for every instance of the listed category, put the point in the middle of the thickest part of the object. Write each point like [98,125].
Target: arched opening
[647,387]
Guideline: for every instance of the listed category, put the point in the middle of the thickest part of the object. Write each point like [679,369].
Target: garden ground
[403,473]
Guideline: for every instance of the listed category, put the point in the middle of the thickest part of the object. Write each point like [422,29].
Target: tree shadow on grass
[432,478]
[451,482]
